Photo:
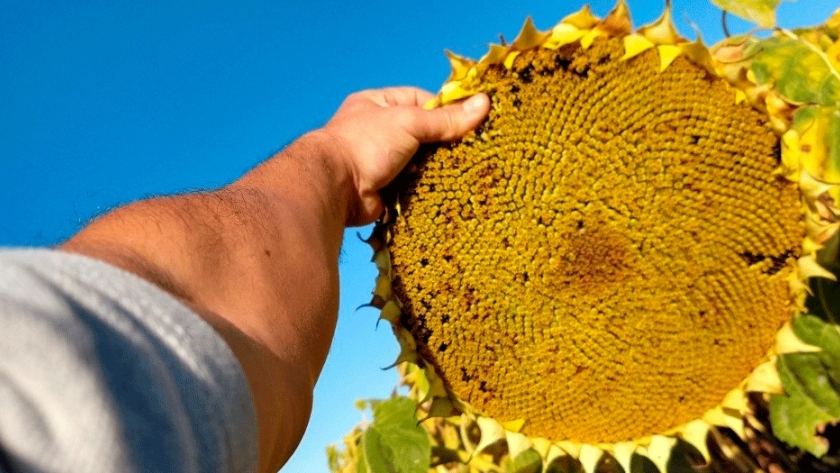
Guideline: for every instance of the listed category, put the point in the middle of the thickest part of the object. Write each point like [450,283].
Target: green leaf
[818,127]
[813,331]
[333,461]
[528,461]
[812,386]
[394,443]
[800,72]
[824,302]
[761,12]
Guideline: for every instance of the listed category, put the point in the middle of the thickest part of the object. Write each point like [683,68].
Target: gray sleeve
[102,371]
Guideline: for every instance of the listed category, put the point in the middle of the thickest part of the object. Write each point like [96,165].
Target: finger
[395,96]
[450,122]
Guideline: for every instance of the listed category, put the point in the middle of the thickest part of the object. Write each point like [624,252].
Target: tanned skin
[258,259]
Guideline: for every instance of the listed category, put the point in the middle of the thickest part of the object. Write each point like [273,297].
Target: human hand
[380,130]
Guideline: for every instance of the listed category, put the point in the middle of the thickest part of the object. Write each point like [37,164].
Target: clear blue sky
[105,102]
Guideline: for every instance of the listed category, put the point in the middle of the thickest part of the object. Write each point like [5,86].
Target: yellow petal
[788,342]
[583,19]
[510,58]
[491,432]
[530,37]
[735,401]
[715,416]
[495,55]
[635,44]
[517,443]
[563,34]
[589,457]
[514,425]
[812,188]
[623,453]
[695,433]
[791,158]
[587,39]
[699,54]
[452,91]
[799,290]
[807,267]
[667,54]
[811,246]
[765,379]
[780,111]
[659,451]
[818,229]
[553,453]
[573,449]
[662,31]
[736,423]
[542,446]
[460,65]
[618,22]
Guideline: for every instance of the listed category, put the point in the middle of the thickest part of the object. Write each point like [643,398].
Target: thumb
[451,121]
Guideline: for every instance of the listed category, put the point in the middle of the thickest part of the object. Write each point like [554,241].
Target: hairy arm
[258,259]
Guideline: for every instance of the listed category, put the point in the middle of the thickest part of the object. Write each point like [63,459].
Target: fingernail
[474,103]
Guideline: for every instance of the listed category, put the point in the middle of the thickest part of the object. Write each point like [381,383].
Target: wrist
[317,166]
[338,154]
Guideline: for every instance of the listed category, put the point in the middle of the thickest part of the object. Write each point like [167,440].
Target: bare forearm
[258,260]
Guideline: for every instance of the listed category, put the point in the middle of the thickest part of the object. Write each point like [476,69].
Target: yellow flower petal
[530,37]
[788,342]
[659,451]
[662,31]
[618,22]
[452,92]
[508,63]
[582,19]
[695,433]
[491,432]
[554,452]
[542,446]
[667,54]
[807,267]
[514,425]
[495,55]
[563,34]
[623,453]
[571,448]
[765,379]
[589,457]
[587,39]
[699,54]
[635,44]
[460,65]
[517,443]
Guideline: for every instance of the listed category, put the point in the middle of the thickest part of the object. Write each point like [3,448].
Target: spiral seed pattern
[606,257]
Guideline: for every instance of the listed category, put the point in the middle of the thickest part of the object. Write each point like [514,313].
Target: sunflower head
[630,264]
